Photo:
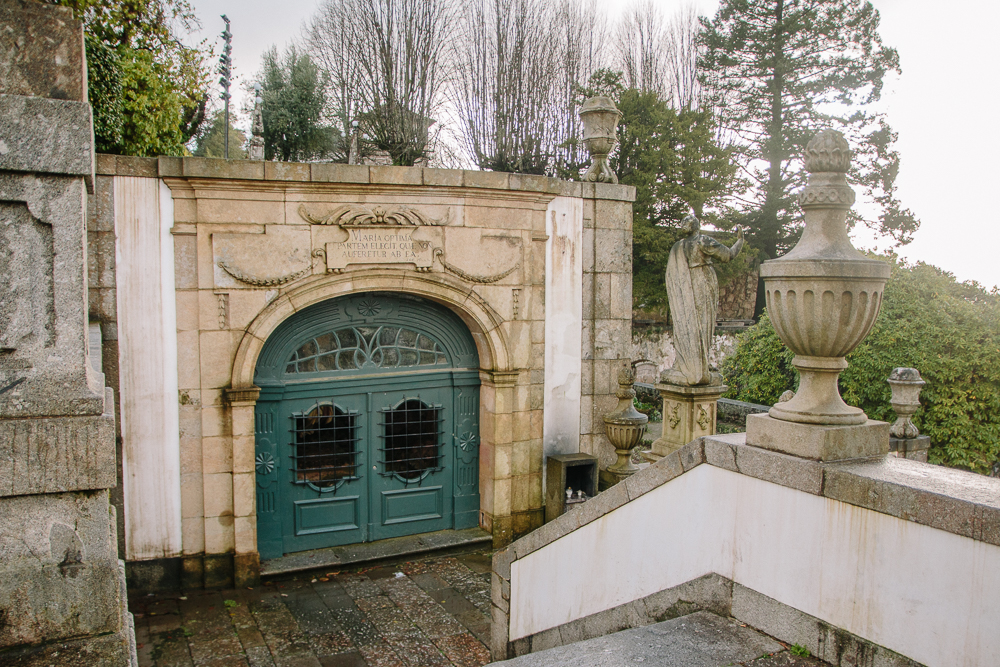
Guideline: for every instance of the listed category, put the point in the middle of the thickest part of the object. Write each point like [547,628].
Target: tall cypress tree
[778,72]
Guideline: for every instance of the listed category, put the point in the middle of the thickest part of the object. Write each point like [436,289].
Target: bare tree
[331,39]
[641,44]
[682,58]
[581,33]
[518,67]
[402,43]
[505,79]
[385,59]
[660,56]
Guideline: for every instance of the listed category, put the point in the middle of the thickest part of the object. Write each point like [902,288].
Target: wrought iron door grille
[324,447]
[411,435]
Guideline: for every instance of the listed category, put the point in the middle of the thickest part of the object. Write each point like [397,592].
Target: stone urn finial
[828,152]
[600,122]
[257,128]
[625,426]
[906,385]
[823,296]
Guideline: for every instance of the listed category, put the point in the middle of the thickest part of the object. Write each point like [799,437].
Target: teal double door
[367,425]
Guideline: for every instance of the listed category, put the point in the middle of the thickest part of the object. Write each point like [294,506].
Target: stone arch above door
[482,320]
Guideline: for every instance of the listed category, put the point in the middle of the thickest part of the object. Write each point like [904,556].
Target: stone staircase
[701,639]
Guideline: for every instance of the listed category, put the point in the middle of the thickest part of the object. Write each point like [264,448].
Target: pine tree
[676,167]
[778,71]
[293,93]
[211,139]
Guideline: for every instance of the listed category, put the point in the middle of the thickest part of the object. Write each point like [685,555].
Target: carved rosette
[823,296]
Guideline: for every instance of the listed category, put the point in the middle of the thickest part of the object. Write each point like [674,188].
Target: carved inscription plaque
[379,245]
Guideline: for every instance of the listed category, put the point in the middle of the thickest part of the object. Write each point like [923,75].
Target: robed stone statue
[693,295]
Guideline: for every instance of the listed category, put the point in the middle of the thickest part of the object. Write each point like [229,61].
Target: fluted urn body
[625,426]
[823,296]
[600,123]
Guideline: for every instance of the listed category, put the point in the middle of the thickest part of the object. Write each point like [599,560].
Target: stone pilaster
[62,587]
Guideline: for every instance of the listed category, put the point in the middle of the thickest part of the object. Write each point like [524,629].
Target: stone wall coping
[954,501]
[323,172]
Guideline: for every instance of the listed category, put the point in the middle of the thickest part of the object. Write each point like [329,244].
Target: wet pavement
[427,612]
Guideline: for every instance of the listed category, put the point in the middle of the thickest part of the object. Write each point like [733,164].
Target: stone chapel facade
[311,355]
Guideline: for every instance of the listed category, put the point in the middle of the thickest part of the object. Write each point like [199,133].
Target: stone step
[440,542]
[701,639]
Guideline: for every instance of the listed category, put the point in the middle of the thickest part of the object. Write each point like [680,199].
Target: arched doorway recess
[367,424]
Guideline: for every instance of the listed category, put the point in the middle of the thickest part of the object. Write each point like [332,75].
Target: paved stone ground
[430,612]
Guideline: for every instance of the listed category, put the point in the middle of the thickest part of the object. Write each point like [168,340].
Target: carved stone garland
[272,282]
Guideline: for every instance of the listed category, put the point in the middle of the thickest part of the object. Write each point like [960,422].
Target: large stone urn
[823,296]
[600,123]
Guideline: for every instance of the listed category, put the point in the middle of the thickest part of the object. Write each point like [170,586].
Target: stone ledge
[824,641]
[954,501]
[821,442]
[329,172]
[719,595]
[43,56]
[109,649]
[126,165]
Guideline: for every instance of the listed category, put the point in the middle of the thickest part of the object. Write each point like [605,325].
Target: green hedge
[949,331]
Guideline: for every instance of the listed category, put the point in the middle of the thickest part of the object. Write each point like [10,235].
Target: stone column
[62,587]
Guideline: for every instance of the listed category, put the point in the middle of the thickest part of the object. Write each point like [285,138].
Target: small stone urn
[625,426]
[823,296]
[906,385]
[600,122]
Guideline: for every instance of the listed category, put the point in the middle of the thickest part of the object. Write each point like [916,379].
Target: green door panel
[410,505]
[327,515]
[367,425]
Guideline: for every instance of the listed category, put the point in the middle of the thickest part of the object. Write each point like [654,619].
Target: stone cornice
[312,177]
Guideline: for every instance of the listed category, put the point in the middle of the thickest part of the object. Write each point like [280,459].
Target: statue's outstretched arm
[719,251]
[738,246]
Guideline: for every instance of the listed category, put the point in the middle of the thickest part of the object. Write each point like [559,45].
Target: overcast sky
[940,106]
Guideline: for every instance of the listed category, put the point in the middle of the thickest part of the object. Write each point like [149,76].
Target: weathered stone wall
[656,345]
[806,551]
[254,242]
[738,296]
[62,587]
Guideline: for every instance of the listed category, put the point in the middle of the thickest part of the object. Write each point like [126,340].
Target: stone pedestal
[688,413]
[818,441]
[914,449]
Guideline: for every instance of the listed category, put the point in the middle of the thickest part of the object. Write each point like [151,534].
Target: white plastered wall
[563,325]
[147,340]
[928,594]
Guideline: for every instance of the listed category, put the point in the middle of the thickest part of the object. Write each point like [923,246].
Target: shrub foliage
[949,331]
